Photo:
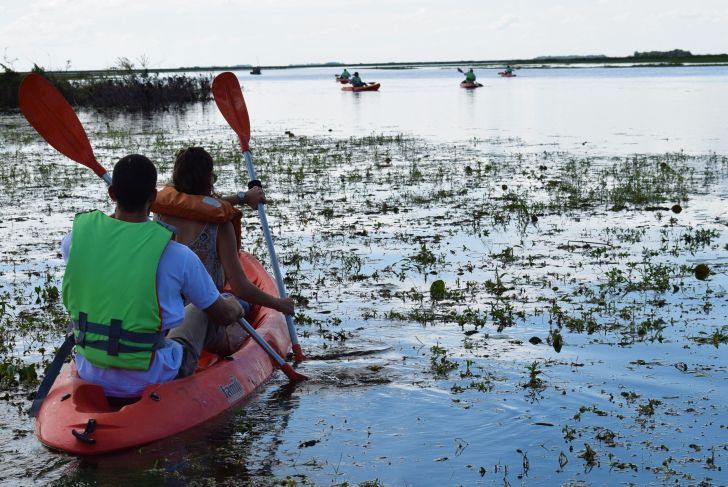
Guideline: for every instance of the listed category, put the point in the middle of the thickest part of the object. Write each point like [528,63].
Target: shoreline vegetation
[127,88]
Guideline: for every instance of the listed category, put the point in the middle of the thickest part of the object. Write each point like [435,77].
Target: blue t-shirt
[179,273]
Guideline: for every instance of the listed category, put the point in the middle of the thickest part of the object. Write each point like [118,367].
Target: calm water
[619,110]
[384,416]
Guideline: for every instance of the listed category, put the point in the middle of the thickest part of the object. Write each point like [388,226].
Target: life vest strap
[114,332]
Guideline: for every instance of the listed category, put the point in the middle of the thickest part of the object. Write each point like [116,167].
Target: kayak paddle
[229,99]
[285,366]
[54,119]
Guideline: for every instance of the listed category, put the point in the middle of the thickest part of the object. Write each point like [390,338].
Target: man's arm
[225,310]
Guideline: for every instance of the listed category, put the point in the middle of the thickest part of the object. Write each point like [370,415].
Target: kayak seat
[90,398]
[206,360]
[116,403]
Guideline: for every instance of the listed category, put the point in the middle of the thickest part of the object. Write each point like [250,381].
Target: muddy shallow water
[570,344]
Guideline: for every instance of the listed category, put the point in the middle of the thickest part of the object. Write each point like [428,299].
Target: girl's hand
[286,306]
[254,196]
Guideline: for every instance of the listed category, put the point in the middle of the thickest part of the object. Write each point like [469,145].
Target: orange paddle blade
[54,119]
[229,99]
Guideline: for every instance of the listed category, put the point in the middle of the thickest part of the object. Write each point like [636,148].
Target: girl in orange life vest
[216,244]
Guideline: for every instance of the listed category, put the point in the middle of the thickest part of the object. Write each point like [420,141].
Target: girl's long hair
[193,171]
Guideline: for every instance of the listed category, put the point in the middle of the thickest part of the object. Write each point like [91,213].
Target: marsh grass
[115,90]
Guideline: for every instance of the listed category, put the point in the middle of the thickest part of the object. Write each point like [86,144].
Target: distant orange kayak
[77,418]
[469,85]
[343,81]
[372,87]
[503,74]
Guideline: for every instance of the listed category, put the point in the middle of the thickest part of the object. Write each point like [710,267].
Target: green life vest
[470,77]
[110,289]
[345,74]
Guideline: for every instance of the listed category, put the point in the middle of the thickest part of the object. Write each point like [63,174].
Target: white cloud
[93,34]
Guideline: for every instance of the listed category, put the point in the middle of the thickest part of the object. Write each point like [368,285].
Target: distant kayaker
[356,80]
[469,76]
[509,70]
[345,74]
[215,242]
[123,289]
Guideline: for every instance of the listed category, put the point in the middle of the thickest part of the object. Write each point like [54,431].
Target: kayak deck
[470,85]
[372,87]
[163,409]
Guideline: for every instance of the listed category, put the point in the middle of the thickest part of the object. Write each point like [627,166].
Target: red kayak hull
[343,81]
[374,87]
[503,74]
[169,408]
[470,86]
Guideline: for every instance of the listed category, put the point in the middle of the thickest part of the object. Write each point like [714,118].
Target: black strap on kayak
[51,374]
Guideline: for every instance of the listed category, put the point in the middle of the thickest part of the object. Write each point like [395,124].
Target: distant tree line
[667,54]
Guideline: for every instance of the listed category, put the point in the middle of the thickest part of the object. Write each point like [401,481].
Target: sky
[94,34]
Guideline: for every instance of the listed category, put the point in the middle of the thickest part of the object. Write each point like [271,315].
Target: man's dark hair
[134,181]
[193,171]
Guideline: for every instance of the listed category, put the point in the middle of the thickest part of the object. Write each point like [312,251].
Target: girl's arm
[239,283]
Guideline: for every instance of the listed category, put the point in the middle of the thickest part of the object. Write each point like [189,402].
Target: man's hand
[225,310]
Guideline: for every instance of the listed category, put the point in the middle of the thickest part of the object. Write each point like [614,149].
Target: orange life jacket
[171,202]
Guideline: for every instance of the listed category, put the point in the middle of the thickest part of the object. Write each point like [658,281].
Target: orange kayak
[468,85]
[343,81]
[372,87]
[504,74]
[77,418]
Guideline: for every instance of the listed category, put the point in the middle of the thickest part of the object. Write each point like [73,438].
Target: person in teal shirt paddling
[345,74]
[469,76]
[356,80]
[509,69]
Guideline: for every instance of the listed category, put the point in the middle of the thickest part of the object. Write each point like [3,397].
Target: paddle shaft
[297,352]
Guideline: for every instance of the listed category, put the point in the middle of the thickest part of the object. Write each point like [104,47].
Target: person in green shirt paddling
[356,80]
[469,76]
[345,74]
[509,69]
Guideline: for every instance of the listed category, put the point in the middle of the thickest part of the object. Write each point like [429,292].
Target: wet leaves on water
[563,460]
[701,271]
[437,290]
[308,443]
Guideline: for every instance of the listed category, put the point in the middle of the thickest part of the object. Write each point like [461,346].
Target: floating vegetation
[504,292]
